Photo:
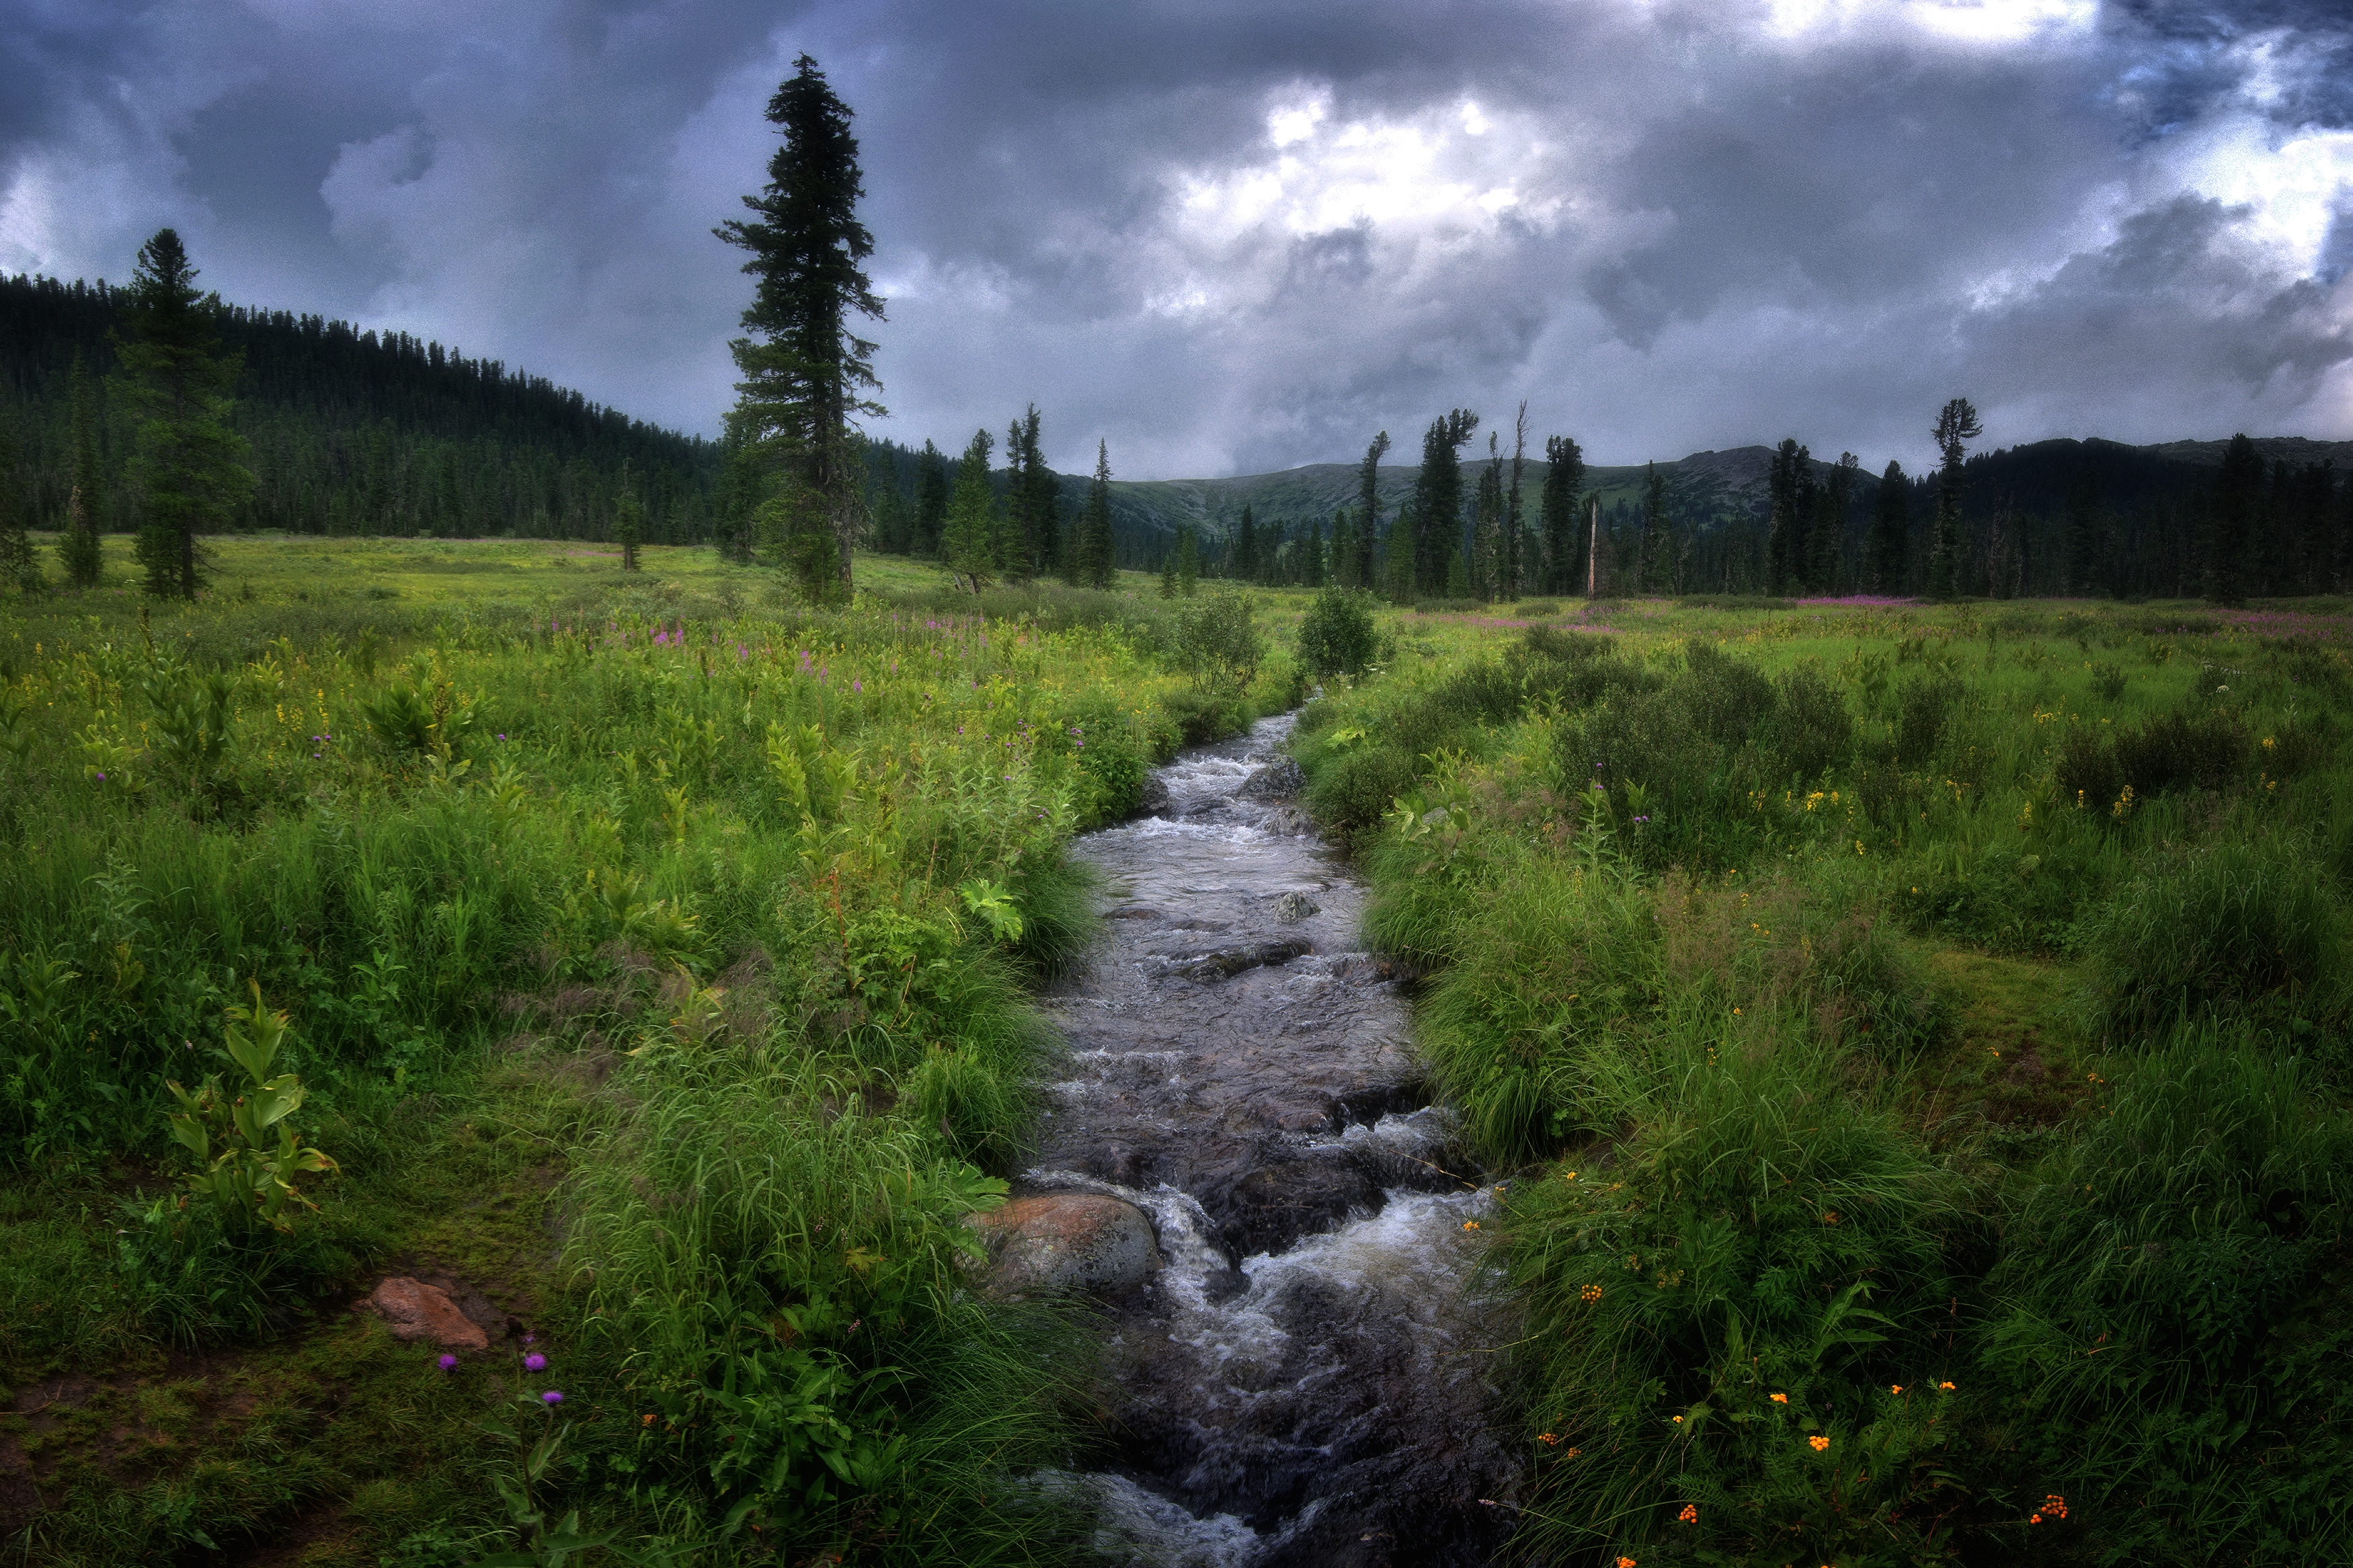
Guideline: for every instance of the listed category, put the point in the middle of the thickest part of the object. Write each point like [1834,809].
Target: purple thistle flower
[449,1363]
[531,1338]
[553,1397]
[534,1362]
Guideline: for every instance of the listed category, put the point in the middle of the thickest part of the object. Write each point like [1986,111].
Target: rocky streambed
[1302,1376]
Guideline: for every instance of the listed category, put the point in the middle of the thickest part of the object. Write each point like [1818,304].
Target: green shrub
[1809,728]
[1336,636]
[1217,644]
[1534,1030]
[781,1276]
[2184,748]
[249,1155]
[1725,696]
[1923,708]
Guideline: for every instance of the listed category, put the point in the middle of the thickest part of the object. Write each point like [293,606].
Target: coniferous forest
[351,433]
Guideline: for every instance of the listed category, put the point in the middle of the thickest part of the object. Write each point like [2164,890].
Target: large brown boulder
[1061,1243]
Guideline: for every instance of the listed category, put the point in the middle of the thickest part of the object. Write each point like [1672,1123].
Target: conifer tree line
[347,432]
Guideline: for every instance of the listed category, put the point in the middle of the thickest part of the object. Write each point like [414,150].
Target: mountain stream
[1306,1380]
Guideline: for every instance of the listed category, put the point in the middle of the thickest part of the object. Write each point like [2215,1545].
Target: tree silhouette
[808,374]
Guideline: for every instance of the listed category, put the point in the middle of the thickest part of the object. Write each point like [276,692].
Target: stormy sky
[1236,237]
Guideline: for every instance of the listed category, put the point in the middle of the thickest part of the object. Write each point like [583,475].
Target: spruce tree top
[807,245]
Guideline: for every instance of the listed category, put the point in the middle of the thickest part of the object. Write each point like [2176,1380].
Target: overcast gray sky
[1236,237]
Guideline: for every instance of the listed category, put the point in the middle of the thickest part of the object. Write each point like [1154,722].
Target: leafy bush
[782,1276]
[2202,749]
[1336,636]
[250,1178]
[1217,644]
[1535,1028]
[1809,728]
[1726,697]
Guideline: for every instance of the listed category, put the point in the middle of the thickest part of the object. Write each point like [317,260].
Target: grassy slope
[478,1092]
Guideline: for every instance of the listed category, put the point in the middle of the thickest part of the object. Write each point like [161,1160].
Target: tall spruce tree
[808,374]
[1437,500]
[1563,542]
[80,552]
[1789,485]
[931,499]
[2229,520]
[2083,551]
[1891,529]
[1956,426]
[1486,564]
[1033,524]
[968,538]
[1827,542]
[1516,576]
[189,473]
[1657,570]
[628,521]
[1095,541]
[1398,562]
[1367,551]
[1245,556]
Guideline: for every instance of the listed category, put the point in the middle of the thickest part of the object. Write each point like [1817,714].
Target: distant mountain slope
[2295,449]
[1706,487]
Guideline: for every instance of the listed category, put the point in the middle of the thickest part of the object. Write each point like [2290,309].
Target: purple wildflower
[553,1397]
[449,1363]
[534,1362]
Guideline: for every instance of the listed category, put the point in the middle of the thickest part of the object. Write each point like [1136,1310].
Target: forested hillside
[353,432]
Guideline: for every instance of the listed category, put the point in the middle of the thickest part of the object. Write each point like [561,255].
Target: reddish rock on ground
[421,1311]
[1067,1241]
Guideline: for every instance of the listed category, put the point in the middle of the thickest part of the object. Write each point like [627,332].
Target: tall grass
[2137,1309]
[782,1277]
[1674,896]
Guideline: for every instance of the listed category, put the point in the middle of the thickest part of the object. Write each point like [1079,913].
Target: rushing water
[1306,1381]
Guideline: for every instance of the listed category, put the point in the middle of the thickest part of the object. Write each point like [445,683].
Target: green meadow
[1912,1043]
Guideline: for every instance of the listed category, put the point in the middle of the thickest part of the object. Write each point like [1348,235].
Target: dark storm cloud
[1245,236]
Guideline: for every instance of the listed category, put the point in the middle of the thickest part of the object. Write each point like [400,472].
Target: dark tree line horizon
[354,432]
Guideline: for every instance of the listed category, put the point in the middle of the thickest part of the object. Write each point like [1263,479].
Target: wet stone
[1279,781]
[1063,1244]
[1267,1208]
[1227,963]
